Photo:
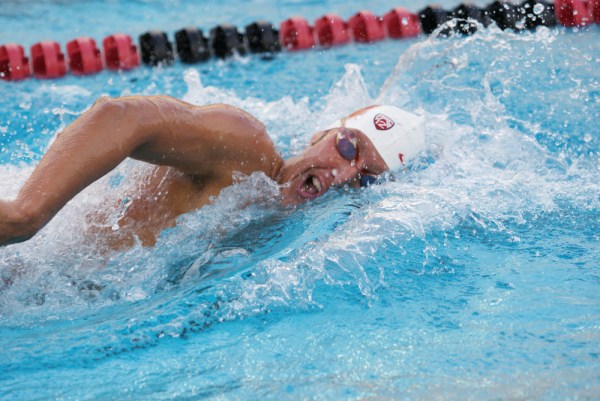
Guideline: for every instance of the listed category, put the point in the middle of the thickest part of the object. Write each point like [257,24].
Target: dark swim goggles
[346,143]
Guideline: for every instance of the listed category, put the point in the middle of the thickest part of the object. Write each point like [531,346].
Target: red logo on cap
[383,122]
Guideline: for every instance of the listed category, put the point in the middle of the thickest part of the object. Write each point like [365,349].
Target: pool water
[474,275]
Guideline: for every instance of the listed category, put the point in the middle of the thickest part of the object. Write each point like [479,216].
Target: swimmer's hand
[15,225]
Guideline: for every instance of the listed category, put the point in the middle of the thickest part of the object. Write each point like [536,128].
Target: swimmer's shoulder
[242,138]
[233,120]
[238,140]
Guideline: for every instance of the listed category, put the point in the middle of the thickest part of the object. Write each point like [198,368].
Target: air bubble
[538,9]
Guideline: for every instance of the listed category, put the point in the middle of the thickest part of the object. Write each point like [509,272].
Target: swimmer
[196,150]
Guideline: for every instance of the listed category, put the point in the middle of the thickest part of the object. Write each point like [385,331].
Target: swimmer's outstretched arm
[208,142]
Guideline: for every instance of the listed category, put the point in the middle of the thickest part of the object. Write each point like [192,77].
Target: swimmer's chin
[288,197]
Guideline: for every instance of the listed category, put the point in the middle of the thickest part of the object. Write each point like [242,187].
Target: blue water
[472,276]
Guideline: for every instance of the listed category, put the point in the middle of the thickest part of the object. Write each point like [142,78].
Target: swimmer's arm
[158,130]
[87,149]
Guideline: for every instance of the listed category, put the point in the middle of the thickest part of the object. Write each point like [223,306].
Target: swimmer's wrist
[17,223]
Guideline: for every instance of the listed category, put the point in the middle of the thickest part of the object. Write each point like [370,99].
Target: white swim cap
[396,134]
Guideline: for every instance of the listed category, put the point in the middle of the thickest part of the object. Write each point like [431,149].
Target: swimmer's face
[334,158]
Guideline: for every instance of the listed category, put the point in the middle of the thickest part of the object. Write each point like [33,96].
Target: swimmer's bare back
[196,148]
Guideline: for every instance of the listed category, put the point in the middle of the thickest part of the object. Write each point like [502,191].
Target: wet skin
[321,166]
[196,150]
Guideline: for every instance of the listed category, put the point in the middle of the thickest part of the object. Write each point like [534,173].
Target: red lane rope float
[14,65]
[400,23]
[119,52]
[571,13]
[296,34]
[47,60]
[84,56]
[594,7]
[366,27]
[331,30]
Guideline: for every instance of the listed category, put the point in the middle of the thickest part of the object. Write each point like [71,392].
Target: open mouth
[311,188]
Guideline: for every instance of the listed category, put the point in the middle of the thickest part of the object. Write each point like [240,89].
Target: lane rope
[119,53]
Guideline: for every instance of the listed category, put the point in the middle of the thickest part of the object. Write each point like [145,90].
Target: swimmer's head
[353,151]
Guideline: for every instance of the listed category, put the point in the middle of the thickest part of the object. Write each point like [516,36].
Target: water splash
[492,164]
[503,80]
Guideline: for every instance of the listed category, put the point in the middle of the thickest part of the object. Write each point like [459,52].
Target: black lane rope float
[47,60]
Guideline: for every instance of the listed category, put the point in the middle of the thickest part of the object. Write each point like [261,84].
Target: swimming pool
[475,275]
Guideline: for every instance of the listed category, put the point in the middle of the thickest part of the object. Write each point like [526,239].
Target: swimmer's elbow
[109,109]
[127,121]
[142,127]
[107,116]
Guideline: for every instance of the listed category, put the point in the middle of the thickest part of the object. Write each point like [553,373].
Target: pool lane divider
[119,53]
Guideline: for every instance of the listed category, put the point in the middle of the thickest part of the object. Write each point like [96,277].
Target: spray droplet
[538,9]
